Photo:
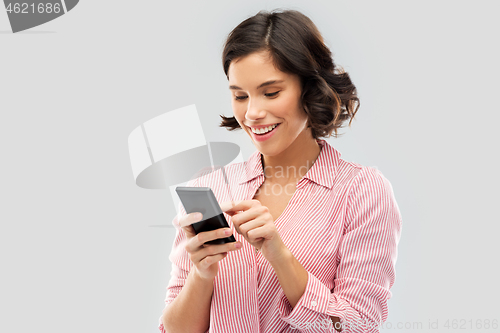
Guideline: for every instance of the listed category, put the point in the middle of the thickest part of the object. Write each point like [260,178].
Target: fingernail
[228,232]
[198,216]
[238,245]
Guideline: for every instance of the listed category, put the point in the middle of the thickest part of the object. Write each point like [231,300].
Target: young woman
[316,236]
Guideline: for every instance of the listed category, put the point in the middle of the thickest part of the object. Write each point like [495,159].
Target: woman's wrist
[282,257]
[199,278]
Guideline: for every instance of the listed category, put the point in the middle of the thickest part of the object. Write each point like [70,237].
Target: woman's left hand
[253,221]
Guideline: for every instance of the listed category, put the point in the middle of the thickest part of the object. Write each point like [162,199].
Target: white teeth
[264,129]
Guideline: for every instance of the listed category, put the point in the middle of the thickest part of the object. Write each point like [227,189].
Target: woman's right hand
[205,257]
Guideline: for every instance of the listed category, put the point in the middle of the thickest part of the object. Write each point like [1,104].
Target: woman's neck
[293,163]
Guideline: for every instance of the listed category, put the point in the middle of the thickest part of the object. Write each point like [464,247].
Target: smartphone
[202,199]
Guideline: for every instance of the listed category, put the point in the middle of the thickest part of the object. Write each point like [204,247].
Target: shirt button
[313,303]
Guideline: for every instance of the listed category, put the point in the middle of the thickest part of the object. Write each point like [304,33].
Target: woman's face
[263,95]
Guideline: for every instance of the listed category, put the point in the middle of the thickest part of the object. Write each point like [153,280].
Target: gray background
[77,250]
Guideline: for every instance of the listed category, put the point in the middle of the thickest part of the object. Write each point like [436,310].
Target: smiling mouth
[260,132]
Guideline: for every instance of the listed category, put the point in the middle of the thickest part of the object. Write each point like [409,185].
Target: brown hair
[296,47]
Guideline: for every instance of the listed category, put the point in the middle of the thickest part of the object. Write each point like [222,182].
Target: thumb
[189,231]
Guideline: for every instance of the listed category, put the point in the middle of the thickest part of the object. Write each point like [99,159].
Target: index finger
[235,206]
[228,205]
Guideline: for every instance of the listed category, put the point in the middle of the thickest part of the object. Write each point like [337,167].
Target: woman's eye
[272,94]
[239,98]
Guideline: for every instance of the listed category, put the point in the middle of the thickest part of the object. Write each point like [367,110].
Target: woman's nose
[254,111]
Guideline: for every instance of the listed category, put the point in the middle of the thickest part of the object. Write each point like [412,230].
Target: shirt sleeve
[366,269]
[181,264]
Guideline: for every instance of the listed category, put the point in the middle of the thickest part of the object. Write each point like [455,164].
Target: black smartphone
[202,199]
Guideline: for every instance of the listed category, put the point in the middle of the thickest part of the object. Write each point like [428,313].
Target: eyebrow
[267,83]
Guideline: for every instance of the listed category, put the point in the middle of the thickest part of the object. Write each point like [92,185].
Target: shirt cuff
[311,309]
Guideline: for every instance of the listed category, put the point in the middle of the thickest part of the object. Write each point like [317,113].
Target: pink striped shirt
[342,224]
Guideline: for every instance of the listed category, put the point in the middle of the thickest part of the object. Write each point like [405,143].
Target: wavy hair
[296,47]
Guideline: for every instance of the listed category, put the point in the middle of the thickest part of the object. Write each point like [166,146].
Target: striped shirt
[342,224]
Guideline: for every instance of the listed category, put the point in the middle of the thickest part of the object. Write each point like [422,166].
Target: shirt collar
[322,171]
